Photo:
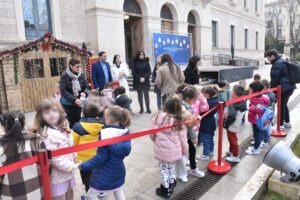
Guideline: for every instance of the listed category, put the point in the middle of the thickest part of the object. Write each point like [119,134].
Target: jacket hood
[163,119]
[241,106]
[120,149]
[263,100]
[90,125]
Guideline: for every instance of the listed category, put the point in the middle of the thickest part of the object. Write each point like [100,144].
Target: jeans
[258,136]
[208,143]
[233,143]
[192,154]
[266,136]
[285,114]
[143,90]
[73,114]
[158,98]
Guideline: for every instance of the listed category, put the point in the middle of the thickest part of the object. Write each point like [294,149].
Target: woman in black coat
[191,72]
[141,71]
[74,89]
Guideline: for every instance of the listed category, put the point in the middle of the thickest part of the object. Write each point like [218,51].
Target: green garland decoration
[16,68]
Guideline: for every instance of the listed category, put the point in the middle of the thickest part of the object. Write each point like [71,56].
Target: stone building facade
[124,26]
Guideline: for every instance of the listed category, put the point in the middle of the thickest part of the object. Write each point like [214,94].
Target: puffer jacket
[255,112]
[85,131]
[169,145]
[235,115]
[62,166]
[208,123]
[279,75]
[108,167]
[200,106]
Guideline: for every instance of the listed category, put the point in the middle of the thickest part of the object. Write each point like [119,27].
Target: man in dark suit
[101,73]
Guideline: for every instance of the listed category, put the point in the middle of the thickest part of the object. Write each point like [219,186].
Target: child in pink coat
[255,113]
[199,107]
[49,122]
[169,145]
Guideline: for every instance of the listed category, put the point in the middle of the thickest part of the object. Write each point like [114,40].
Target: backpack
[264,122]
[293,70]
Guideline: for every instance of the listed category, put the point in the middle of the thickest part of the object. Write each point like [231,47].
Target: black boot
[163,192]
[172,186]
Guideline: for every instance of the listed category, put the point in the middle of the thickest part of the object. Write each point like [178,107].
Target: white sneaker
[287,125]
[228,153]
[187,161]
[187,169]
[264,145]
[233,159]
[252,142]
[101,195]
[211,154]
[183,179]
[198,157]
[203,157]
[196,172]
[253,151]
[282,128]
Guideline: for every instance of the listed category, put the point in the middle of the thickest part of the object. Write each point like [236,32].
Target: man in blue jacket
[279,76]
[101,73]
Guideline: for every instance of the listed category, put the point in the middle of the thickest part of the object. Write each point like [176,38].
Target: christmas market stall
[31,71]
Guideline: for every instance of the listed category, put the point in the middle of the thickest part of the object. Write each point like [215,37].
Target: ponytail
[126,119]
[13,123]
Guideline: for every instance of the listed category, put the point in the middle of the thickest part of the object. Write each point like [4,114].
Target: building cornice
[240,15]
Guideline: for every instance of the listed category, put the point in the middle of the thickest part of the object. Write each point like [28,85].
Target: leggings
[192,154]
[92,194]
[69,195]
[167,173]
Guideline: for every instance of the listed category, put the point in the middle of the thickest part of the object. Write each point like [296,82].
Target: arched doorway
[192,30]
[166,19]
[133,25]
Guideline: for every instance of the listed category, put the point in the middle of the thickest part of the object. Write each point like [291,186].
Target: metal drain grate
[200,186]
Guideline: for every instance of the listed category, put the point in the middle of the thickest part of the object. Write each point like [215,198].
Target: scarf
[75,83]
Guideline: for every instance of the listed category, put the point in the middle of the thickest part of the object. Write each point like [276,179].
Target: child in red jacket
[254,113]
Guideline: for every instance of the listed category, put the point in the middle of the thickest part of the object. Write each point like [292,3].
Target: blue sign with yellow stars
[178,46]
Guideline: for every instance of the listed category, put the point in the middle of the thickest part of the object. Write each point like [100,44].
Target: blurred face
[191,101]
[76,68]
[199,63]
[51,116]
[142,55]
[251,91]
[206,96]
[271,58]
[233,95]
[158,60]
[118,60]
[103,57]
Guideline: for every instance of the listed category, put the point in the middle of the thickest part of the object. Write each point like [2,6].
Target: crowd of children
[107,115]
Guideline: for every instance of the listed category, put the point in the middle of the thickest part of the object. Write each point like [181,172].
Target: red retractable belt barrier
[217,166]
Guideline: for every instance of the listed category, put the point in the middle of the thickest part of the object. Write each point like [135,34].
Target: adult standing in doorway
[120,73]
[279,76]
[141,72]
[168,77]
[101,73]
[74,87]
[191,72]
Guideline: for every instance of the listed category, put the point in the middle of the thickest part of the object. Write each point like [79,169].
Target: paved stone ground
[142,169]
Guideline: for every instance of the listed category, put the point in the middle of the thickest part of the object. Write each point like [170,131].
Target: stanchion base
[281,133]
[224,168]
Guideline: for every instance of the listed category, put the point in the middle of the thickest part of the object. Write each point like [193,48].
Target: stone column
[106,31]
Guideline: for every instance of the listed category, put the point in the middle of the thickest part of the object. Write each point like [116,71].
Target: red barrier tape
[101,143]
[114,140]
[18,165]
[243,98]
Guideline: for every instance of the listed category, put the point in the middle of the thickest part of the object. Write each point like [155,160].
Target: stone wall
[8,23]
[13,91]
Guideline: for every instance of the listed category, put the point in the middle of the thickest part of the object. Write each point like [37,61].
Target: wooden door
[137,35]
[37,78]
